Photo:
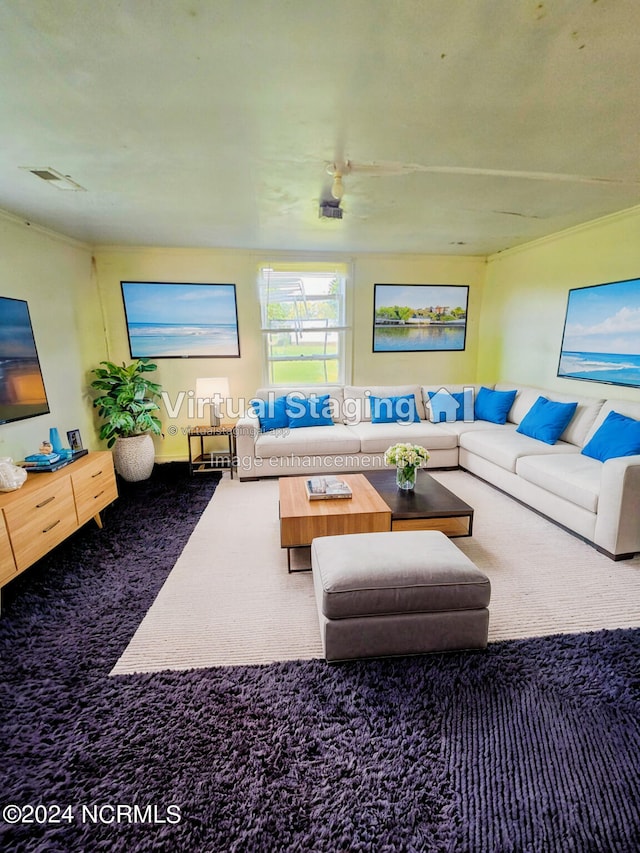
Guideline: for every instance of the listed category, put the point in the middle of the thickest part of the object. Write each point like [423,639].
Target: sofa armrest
[618,523]
[247,431]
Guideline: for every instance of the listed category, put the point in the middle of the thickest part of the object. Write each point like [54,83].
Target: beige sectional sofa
[599,501]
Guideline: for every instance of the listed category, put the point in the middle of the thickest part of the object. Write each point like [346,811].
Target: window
[304,325]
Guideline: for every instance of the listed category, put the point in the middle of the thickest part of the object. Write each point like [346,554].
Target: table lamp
[213,390]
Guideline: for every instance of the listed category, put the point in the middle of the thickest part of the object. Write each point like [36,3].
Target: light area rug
[229,599]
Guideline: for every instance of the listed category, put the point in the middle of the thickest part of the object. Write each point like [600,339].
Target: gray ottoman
[397,593]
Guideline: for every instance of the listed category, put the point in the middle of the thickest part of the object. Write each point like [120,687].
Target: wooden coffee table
[430,506]
[377,505]
[302,520]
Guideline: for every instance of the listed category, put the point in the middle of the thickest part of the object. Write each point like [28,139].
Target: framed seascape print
[601,338]
[167,320]
[419,317]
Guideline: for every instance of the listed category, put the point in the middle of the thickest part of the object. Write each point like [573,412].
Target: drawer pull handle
[51,526]
[95,497]
[97,474]
[44,503]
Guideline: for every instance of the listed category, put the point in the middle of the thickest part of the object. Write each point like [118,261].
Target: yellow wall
[525,299]
[54,275]
[245,373]
[516,314]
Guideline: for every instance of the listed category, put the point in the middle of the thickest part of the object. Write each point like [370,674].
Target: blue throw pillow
[271,413]
[546,420]
[445,403]
[394,410]
[493,405]
[308,411]
[617,436]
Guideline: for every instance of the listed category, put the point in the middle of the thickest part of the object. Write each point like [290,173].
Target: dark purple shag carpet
[531,746]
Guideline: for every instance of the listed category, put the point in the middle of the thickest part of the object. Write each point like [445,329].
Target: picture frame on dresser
[75,440]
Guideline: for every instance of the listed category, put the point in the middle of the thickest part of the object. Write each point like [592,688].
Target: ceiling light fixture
[337,171]
[337,190]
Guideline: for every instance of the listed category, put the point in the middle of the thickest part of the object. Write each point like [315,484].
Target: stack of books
[41,460]
[51,461]
[327,488]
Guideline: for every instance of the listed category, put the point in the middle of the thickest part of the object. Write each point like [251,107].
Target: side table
[212,460]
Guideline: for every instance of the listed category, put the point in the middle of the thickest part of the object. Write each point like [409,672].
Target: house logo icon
[450,407]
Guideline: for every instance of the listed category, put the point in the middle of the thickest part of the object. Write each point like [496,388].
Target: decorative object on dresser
[127,403]
[54,440]
[48,509]
[75,440]
[12,477]
[51,461]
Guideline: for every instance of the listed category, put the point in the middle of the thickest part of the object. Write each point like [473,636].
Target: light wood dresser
[49,507]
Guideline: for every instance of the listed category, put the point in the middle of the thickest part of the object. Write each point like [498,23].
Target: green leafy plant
[127,401]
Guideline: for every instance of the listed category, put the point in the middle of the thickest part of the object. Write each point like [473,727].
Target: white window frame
[283,283]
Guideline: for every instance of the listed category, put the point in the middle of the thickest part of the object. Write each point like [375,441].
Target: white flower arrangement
[406,455]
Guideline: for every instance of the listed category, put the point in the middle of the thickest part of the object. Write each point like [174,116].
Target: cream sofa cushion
[458,427]
[504,446]
[376,438]
[311,441]
[571,476]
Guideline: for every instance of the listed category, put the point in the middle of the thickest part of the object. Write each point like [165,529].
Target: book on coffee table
[327,488]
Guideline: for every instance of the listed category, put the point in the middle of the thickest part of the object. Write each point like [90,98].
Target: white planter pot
[133,457]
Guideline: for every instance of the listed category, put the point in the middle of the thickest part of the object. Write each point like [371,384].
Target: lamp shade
[212,390]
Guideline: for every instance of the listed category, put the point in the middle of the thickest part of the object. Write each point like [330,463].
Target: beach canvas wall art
[601,339]
[419,317]
[167,320]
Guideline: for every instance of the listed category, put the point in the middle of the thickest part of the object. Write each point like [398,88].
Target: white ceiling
[210,122]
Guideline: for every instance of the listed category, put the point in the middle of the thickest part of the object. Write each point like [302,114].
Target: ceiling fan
[338,170]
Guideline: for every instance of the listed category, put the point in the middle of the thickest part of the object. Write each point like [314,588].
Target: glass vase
[406,477]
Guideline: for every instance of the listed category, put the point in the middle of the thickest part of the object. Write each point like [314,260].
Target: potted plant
[127,402]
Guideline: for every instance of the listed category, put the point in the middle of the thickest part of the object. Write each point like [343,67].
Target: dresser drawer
[94,486]
[7,564]
[40,520]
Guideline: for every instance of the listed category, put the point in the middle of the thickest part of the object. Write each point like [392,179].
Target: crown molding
[610,218]
[23,222]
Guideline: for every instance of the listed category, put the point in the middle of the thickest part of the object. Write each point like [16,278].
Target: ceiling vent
[55,179]
[330,210]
